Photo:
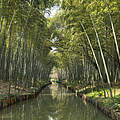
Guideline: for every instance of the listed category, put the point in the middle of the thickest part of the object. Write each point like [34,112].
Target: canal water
[54,103]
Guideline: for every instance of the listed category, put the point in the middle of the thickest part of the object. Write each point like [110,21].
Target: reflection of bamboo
[84,99]
[76,92]
[5,103]
[54,90]
[12,100]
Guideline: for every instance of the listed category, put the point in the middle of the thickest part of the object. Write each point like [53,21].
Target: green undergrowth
[112,103]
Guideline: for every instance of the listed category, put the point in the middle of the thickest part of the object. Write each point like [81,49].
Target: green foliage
[74,56]
[27,37]
[25,42]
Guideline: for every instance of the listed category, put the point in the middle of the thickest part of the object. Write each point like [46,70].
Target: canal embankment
[54,102]
[106,105]
[8,100]
[109,106]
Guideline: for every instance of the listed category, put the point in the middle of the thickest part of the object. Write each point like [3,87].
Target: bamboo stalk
[1,23]
[103,59]
[113,30]
[91,47]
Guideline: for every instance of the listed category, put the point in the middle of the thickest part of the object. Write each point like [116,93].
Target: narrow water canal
[54,103]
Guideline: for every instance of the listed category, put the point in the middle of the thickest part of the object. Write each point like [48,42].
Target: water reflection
[54,103]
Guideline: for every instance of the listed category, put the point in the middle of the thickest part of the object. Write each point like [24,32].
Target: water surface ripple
[54,103]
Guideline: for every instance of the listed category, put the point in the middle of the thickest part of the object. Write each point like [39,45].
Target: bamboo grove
[85,33]
[87,38]
[24,42]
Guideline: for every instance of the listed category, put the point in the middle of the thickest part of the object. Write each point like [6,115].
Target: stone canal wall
[6,102]
[107,111]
